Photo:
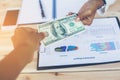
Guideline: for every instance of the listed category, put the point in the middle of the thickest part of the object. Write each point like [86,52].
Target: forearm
[11,65]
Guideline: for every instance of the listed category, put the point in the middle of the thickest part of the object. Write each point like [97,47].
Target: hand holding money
[60,29]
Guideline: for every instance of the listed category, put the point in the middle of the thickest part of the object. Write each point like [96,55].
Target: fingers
[83,16]
[28,29]
[87,21]
[86,17]
[33,33]
[70,13]
[41,36]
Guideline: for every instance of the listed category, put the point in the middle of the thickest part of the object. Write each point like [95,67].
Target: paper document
[100,43]
[30,11]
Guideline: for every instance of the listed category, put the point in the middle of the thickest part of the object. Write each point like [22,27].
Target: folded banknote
[59,29]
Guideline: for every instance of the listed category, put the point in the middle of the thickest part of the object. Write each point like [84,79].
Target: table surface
[97,72]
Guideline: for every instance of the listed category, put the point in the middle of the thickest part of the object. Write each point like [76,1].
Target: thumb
[41,35]
[81,15]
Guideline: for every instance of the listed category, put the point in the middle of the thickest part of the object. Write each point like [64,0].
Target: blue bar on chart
[105,46]
[66,48]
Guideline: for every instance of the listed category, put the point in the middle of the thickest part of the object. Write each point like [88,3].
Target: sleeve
[105,7]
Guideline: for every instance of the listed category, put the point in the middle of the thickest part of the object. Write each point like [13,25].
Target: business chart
[100,43]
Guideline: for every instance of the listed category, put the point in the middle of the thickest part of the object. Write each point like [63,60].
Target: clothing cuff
[105,7]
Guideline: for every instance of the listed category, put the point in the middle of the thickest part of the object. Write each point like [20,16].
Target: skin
[25,41]
[87,13]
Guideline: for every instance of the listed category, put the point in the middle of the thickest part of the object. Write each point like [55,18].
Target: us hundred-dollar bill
[60,29]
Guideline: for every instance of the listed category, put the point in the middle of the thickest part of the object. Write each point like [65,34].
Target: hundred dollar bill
[60,29]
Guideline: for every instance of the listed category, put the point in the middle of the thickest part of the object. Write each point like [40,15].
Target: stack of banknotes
[59,29]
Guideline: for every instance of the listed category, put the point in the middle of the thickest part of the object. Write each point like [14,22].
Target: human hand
[87,13]
[25,42]
[27,36]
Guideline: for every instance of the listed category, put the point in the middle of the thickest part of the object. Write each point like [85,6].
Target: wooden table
[98,72]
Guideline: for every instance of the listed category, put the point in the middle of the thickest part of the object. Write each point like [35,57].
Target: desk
[98,72]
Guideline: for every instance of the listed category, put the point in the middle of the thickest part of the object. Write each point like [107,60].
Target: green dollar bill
[60,29]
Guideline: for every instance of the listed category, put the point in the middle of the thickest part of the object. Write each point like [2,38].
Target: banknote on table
[60,29]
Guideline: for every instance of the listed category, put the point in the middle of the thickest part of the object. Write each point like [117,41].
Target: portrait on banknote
[58,30]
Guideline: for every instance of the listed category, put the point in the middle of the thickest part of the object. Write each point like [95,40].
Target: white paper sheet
[100,43]
[30,11]
[63,7]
